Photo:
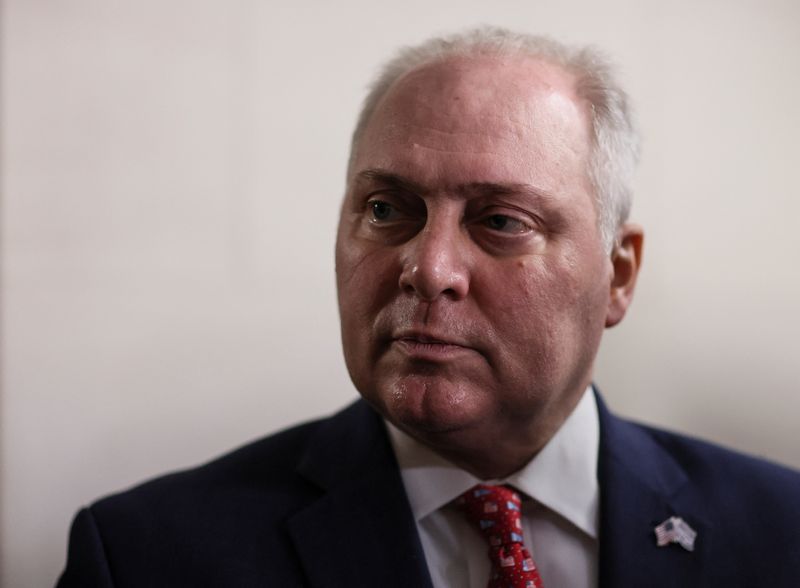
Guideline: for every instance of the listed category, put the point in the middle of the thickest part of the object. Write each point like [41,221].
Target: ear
[626,259]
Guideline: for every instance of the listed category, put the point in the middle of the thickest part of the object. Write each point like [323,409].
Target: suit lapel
[360,532]
[641,486]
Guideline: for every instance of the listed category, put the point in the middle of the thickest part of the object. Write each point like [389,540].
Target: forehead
[491,117]
[515,87]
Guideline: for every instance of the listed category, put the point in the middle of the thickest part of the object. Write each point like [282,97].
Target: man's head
[477,260]
[615,142]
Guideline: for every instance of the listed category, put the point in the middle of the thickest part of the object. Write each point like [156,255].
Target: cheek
[544,309]
[539,287]
[366,281]
[573,283]
[348,256]
[365,277]
[526,301]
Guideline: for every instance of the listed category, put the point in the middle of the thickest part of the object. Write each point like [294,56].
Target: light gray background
[171,172]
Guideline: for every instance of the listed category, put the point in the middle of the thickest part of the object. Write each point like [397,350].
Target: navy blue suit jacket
[323,505]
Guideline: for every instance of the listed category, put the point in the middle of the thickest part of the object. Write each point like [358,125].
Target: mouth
[430,347]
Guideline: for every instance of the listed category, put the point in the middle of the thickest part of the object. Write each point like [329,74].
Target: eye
[381,211]
[506,224]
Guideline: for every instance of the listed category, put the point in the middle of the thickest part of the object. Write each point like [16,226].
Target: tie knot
[496,512]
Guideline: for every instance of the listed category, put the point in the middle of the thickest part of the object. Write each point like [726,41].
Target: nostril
[432,283]
[434,266]
[407,278]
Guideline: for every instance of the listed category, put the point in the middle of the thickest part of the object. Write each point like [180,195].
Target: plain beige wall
[171,173]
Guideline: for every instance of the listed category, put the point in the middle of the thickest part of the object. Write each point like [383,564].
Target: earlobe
[626,259]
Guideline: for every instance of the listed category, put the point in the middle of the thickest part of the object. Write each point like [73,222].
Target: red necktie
[496,512]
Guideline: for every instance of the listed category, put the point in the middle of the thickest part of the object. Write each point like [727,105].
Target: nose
[435,263]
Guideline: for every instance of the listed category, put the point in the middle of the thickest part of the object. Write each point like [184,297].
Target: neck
[495,452]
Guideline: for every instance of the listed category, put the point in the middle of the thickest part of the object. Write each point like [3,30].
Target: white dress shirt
[559,515]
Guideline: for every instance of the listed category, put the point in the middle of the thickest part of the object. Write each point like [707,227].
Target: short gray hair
[615,151]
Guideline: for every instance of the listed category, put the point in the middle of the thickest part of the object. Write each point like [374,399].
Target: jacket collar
[641,485]
[360,532]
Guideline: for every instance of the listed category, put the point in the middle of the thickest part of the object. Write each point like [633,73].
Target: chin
[425,405]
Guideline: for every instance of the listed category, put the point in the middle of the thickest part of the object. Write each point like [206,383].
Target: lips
[424,337]
[427,341]
[430,346]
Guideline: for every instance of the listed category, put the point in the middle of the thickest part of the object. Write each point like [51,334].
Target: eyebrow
[392,180]
[471,189]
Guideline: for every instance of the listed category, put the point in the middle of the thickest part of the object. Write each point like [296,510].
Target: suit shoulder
[727,472]
[175,530]
[268,463]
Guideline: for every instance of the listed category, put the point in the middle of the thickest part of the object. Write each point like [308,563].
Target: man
[483,247]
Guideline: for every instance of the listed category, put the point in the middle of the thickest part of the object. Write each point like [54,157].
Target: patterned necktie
[496,512]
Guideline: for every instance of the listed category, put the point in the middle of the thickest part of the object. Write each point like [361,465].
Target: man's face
[473,284]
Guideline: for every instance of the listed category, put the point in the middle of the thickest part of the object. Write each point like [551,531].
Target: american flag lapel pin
[675,530]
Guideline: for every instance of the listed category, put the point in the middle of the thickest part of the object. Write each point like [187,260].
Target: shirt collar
[562,476]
